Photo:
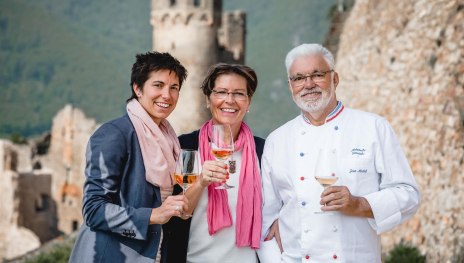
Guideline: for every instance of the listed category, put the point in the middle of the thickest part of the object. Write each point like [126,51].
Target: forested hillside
[54,52]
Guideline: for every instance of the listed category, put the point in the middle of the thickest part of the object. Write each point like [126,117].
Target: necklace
[232,166]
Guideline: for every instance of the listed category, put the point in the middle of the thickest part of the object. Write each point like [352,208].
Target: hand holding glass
[326,169]
[222,146]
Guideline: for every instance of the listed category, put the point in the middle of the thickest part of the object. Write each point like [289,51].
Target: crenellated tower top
[166,13]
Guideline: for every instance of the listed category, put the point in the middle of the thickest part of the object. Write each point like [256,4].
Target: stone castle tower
[198,34]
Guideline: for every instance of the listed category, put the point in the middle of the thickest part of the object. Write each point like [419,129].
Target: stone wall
[404,59]
[14,238]
[71,130]
[36,208]
[231,37]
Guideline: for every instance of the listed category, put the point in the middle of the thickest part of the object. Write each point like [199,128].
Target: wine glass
[186,169]
[222,146]
[325,171]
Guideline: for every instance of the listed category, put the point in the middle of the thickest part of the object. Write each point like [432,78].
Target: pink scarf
[159,145]
[249,203]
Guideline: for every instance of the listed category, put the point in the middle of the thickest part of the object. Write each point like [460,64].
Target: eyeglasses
[317,77]
[222,95]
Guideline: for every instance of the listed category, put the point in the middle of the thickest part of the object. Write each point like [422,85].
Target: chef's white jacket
[370,163]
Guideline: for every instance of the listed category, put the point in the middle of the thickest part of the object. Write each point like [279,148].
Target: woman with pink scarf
[129,167]
[225,224]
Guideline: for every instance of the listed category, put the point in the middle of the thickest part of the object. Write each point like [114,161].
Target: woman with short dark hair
[129,166]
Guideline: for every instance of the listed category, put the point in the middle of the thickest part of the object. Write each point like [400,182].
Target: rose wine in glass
[326,181]
[185,180]
[325,172]
[222,154]
[186,169]
[222,146]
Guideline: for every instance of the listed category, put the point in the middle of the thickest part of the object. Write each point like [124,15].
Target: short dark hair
[222,68]
[154,61]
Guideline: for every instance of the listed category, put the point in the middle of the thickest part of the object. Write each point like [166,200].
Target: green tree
[404,253]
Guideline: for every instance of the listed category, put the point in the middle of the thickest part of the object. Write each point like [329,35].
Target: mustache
[307,91]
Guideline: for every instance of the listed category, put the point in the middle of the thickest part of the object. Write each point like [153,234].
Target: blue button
[336,128]
[301,154]
[303,203]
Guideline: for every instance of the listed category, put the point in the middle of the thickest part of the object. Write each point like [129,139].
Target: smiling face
[159,94]
[315,99]
[229,110]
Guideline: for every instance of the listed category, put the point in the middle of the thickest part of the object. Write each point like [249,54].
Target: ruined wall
[41,187]
[231,37]
[14,239]
[404,59]
[71,130]
[36,208]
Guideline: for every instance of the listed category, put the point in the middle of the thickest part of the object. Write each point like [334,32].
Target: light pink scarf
[159,145]
[248,221]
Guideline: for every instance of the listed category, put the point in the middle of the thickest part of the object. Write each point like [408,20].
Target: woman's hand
[274,233]
[213,172]
[174,205]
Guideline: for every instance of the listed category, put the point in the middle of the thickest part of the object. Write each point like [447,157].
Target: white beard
[314,107]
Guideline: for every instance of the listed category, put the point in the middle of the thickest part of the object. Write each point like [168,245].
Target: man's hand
[339,198]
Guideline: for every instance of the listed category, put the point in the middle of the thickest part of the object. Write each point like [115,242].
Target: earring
[248,111]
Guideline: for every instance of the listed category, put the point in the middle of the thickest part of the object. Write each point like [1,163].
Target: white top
[370,163]
[220,247]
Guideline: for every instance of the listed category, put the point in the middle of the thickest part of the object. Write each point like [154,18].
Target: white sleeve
[398,197]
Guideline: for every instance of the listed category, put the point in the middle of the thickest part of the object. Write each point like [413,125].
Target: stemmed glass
[186,169]
[326,169]
[222,146]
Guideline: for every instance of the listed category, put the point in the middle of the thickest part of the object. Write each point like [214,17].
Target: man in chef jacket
[375,190]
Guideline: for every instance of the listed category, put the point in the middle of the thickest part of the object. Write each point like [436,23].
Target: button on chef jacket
[370,162]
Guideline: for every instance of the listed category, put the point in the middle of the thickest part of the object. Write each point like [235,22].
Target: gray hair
[306,50]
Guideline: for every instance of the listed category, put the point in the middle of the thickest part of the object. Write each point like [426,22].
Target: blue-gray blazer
[117,200]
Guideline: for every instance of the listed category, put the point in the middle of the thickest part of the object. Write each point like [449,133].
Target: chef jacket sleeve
[398,197]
